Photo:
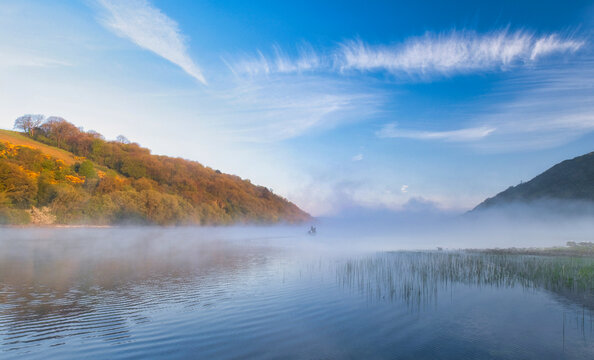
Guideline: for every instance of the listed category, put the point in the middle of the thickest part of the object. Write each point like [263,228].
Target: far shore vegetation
[572,248]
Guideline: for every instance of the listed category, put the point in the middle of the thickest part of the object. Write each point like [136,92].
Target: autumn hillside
[17,138]
[54,172]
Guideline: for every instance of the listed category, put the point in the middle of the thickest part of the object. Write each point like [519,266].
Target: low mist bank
[542,223]
[535,225]
[158,261]
[51,262]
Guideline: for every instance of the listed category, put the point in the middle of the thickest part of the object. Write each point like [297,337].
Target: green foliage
[133,168]
[46,191]
[569,180]
[68,204]
[10,216]
[87,169]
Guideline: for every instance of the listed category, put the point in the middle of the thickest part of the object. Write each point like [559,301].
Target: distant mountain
[569,181]
[57,173]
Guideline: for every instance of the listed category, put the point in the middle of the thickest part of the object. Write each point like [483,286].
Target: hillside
[57,173]
[571,180]
[17,138]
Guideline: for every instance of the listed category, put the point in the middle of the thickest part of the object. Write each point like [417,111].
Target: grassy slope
[569,180]
[17,138]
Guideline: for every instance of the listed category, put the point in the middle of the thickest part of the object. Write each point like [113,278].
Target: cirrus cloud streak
[459,135]
[149,28]
[444,54]
[454,52]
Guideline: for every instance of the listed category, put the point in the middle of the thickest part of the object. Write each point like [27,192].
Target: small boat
[312,230]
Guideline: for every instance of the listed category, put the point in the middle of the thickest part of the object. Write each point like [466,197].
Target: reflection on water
[57,288]
[171,293]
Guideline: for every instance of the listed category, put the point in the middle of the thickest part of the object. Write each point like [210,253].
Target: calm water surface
[192,293]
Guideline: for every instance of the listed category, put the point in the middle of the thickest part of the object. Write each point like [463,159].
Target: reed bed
[417,277]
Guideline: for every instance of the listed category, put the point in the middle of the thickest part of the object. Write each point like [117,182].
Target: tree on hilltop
[59,130]
[28,123]
[122,139]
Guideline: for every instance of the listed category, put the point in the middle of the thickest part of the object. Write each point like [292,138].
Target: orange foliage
[139,186]
[75,179]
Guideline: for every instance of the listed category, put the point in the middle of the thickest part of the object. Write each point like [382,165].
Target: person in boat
[312,230]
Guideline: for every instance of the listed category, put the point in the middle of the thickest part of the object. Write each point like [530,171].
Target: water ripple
[234,301]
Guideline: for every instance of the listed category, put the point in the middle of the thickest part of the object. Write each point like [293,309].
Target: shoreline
[581,250]
[55,226]
[565,251]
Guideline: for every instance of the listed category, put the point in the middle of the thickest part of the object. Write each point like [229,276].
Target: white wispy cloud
[554,107]
[149,28]
[278,62]
[447,53]
[548,107]
[280,107]
[357,157]
[453,52]
[23,59]
[459,135]
[553,43]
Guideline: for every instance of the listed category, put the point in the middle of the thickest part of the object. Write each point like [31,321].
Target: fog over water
[277,292]
[542,224]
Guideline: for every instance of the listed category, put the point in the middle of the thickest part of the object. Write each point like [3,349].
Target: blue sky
[334,105]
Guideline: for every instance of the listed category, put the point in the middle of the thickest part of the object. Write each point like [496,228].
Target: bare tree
[28,123]
[122,139]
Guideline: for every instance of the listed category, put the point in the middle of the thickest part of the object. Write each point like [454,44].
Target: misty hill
[54,172]
[571,181]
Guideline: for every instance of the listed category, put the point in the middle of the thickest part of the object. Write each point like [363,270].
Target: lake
[120,293]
